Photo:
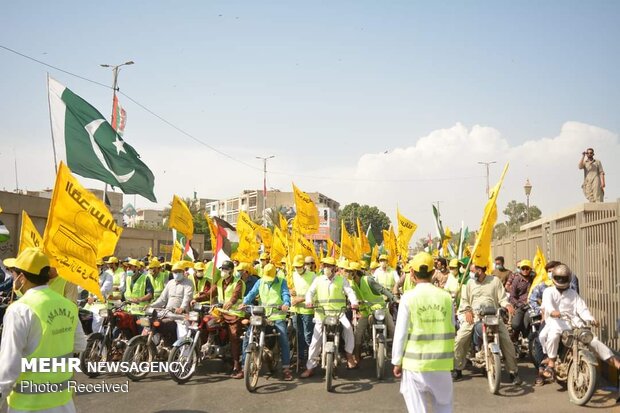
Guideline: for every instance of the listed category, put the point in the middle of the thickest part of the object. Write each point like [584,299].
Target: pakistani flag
[93,149]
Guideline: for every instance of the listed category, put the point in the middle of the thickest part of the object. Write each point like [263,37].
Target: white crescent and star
[91,128]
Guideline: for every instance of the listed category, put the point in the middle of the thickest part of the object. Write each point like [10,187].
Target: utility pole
[487,166]
[265,182]
[115,70]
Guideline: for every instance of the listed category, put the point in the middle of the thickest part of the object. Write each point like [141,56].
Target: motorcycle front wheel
[329,371]
[138,352]
[251,369]
[94,352]
[187,359]
[380,360]
[581,381]
[494,372]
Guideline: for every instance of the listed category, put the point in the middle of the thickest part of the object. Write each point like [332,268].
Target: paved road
[212,391]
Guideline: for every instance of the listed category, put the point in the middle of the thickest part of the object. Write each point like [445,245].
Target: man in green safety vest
[117,273]
[273,294]
[370,294]
[139,290]
[423,347]
[330,292]
[158,278]
[41,324]
[264,259]
[385,275]
[303,320]
[201,284]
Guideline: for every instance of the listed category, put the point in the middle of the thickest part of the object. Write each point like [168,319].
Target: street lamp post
[264,158]
[528,190]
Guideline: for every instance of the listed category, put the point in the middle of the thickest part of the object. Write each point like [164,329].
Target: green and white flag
[92,148]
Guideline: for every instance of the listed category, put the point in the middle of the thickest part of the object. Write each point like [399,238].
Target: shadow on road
[351,388]
[180,411]
[275,388]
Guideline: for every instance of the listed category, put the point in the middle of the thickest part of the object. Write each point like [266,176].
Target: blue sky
[317,83]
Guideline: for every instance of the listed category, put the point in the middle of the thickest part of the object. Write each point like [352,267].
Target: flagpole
[49,107]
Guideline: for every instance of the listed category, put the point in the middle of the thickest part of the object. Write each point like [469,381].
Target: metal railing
[587,239]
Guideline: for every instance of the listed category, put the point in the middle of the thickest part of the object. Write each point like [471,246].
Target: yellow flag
[80,229]
[265,236]
[181,218]
[333,249]
[482,247]
[389,241]
[445,244]
[539,264]
[283,223]
[212,231]
[0,210]
[375,253]
[364,244]
[247,251]
[303,246]
[29,236]
[307,213]
[279,246]
[347,244]
[406,228]
[177,252]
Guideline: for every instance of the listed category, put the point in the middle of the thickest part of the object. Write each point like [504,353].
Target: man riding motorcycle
[482,291]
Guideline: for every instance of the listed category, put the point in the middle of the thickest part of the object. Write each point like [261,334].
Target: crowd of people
[298,289]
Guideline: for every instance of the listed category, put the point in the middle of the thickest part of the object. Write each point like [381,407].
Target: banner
[307,213]
[80,229]
[212,231]
[29,236]
[247,251]
[265,237]
[390,244]
[181,218]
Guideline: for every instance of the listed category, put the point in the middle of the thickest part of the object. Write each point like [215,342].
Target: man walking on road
[423,348]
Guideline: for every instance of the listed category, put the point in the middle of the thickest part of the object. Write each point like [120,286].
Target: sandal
[539,381]
[287,375]
[549,373]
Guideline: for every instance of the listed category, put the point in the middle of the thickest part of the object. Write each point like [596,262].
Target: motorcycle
[109,343]
[85,316]
[575,367]
[330,354]
[489,357]
[203,321]
[535,327]
[149,345]
[262,346]
[377,335]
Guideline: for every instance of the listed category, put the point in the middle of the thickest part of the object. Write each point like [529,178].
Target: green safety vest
[302,284]
[363,307]
[159,283]
[408,284]
[224,295]
[430,345]
[385,278]
[116,282]
[376,300]
[58,284]
[271,297]
[199,285]
[259,270]
[330,294]
[58,317]
[136,289]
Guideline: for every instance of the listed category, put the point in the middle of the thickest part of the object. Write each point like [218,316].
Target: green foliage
[516,212]
[200,222]
[368,215]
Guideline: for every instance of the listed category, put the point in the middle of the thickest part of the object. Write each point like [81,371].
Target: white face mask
[472,275]
[550,275]
[453,272]
[226,274]
[178,276]
[328,271]
[300,270]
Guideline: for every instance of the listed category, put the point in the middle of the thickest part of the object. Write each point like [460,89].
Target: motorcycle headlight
[193,316]
[331,320]
[491,320]
[144,321]
[586,336]
[103,312]
[256,320]
[567,338]
[379,315]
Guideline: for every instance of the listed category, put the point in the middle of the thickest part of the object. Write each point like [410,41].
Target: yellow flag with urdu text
[375,253]
[363,243]
[389,241]
[279,246]
[482,248]
[406,228]
[347,245]
[177,252]
[247,251]
[307,213]
[303,246]
[539,262]
[29,236]
[212,231]
[181,218]
[80,229]
[265,236]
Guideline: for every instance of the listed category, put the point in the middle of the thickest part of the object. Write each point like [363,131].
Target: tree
[517,216]
[368,215]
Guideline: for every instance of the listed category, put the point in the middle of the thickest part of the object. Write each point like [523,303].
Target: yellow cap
[374,265]
[112,260]
[179,265]
[244,266]
[364,265]
[383,257]
[343,263]
[99,261]
[328,261]
[422,259]
[354,266]
[154,263]
[298,261]
[407,267]
[264,256]
[9,262]
[32,260]
[269,272]
[525,263]
[199,266]
[134,262]
[454,263]
[283,260]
